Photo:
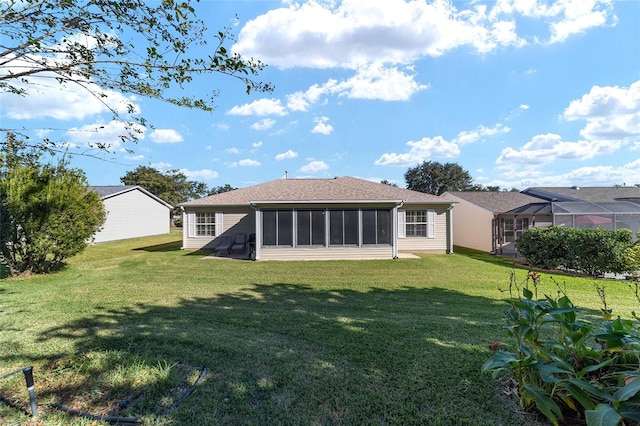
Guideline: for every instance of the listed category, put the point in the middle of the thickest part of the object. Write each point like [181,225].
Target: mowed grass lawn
[122,329]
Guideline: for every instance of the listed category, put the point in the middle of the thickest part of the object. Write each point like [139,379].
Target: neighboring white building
[340,218]
[131,212]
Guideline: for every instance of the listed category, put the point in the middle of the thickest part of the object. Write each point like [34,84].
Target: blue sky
[518,92]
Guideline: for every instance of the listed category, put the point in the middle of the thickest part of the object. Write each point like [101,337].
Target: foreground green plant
[562,364]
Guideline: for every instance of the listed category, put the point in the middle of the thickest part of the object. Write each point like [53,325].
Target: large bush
[47,213]
[589,251]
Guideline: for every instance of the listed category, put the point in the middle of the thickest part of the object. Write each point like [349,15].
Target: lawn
[129,327]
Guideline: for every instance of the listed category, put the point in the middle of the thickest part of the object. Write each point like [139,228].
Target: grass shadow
[165,247]
[494,259]
[292,354]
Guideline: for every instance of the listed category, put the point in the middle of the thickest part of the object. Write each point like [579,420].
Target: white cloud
[286,155]
[467,137]
[422,150]
[264,124]
[232,151]
[245,163]
[165,136]
[260,107]
[108,135]
[377,82]
[602,175]
[547,148]
[314,167]
[524,107]
[161,166]
[321,126]
[300,101]
[205,174]
[257,144]
[134,157]
[46,98]
[610,112]
[351,33]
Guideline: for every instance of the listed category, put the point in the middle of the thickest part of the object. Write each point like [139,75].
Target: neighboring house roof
[496,202]
[593,194]
[339,189]
[113,190]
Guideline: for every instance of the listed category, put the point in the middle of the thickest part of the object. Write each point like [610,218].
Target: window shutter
[219,228]
[431,223]
[191,223]
[402,220]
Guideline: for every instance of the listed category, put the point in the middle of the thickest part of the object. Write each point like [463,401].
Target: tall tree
[47,212]
[221,189]
[171,186]
[147,48]
[437,178]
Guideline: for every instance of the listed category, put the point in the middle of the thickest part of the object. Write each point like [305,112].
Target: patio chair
[224,245]
[239,243]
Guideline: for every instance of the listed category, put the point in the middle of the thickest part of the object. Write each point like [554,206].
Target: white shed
[132,212]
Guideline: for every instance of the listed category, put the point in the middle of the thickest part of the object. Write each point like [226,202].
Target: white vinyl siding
[436,230]
[227,222]
[133,214]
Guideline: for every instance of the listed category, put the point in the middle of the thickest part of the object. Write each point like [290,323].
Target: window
[376,227]
[277,228]
[310,227]
[343,227]
[205,224]
[420,223]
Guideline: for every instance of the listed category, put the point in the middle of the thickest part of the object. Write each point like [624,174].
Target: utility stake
[28,376]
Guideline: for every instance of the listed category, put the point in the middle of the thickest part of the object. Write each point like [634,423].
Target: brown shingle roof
[496,202]
[314,190]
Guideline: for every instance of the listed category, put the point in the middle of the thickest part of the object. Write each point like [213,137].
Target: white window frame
[193,224]
[404,221]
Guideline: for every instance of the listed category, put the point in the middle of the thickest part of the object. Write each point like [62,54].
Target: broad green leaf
[499,360]
[627,391]
[579,395]
[591,368]
[603,415]
[527,293]
[588,387]
[544,403]
[553,368]
[631,413]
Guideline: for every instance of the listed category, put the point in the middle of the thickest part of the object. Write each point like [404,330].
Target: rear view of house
[131,212]
[340,218]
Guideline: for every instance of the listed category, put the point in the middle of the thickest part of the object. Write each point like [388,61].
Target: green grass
[324,342]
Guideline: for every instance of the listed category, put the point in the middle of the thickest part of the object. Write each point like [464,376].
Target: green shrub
[589,251]
[562,364]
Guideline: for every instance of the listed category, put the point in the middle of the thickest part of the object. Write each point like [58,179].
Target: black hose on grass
[77,413]
[203,371]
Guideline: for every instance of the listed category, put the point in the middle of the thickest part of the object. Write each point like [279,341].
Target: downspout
[258,230]
[394,225]
[184,223]
[450,220]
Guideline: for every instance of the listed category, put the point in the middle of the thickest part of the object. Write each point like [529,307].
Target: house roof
[593,194]
[339,189]
[496,202]
[114,190]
